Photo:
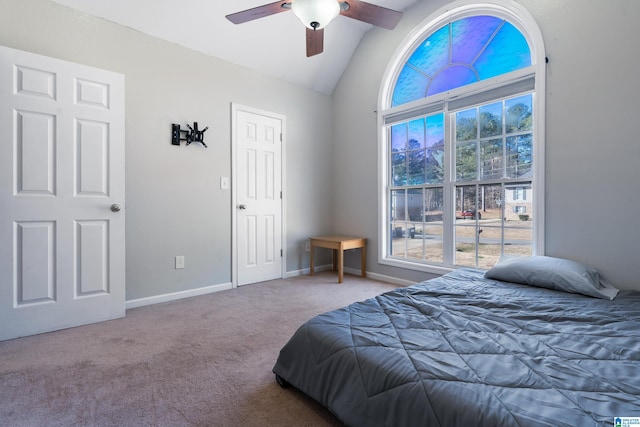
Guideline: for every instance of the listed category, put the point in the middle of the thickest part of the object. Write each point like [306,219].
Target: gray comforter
[461,350]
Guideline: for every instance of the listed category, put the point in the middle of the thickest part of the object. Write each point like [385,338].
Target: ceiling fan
[316,14]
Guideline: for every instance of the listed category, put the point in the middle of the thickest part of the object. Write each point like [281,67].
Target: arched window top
[462,52]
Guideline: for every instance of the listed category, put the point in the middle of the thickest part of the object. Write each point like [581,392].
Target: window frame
[507,84]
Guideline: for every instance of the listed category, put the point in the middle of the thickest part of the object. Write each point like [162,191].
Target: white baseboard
[380,277]
[306,271]
[354,271]
[140,302]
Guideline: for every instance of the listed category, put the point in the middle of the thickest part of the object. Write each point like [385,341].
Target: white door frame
[235,108]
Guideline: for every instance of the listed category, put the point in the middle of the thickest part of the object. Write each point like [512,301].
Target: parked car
[399,232]
[470,213]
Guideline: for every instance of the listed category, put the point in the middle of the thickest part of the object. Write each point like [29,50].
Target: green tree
[519,118]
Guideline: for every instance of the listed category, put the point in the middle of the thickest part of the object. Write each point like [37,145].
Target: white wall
[174,204]
[592,142]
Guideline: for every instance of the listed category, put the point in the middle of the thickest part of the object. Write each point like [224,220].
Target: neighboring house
[518,203]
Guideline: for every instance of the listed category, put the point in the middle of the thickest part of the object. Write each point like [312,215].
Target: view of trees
[487,146]
[492,141]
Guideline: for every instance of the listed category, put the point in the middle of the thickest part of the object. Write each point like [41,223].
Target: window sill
[426,268]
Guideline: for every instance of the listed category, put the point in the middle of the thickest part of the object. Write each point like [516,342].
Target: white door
[62,258]
[258,139]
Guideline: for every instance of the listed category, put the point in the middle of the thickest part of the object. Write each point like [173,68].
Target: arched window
[462,119]
[460,53]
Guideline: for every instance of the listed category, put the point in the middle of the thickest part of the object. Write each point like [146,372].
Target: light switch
[224,182]
[179,262]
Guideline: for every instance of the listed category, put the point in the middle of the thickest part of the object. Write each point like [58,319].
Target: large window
[461,142]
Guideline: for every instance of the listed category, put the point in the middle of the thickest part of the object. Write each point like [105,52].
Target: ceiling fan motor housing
[315,14]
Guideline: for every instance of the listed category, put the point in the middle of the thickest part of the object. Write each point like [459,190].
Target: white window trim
[526,24]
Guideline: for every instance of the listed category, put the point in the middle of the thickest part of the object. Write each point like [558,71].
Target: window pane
[491,159]
[398,205]
[491,120]
[399,137]
[398,244]
[519,155]
[490,204]
[435,167]
[435,131]
[519,114]
[489,250]
[518,241]
[433,204]
[490,228]
[415,207]
[415,245]
[466,230]
[417,165]
[471,35]
[435,149]
[432,230]
[450,78]
[466,202]
[410,86]
[466,238]
[398,169]
[466,163]
[518,210]
[416,158]
[466,125]
[416,134]
[507,51]
[433,54]
[433,236]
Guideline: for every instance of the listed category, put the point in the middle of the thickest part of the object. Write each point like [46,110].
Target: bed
[467,350]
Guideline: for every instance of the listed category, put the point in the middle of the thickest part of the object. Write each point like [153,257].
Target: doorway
[258,140]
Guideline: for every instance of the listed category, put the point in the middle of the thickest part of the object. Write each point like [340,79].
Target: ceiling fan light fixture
[315,14]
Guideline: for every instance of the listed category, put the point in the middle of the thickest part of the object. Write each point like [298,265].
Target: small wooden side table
[339,244]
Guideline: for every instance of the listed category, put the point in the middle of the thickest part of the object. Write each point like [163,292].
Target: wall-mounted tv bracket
[191,135]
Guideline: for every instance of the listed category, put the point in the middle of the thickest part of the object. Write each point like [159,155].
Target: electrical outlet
[307,246]
[179,262]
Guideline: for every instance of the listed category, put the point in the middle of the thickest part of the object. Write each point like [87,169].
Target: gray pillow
[553,273]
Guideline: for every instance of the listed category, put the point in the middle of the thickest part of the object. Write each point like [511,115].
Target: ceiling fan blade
[371,13]
[259,12]
[315,41]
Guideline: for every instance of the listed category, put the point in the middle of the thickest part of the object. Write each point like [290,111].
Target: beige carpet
[203,361]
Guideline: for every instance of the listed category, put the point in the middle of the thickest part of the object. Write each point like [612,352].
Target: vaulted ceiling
[274,45]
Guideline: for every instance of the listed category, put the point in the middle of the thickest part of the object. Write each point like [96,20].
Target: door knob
[242,207]
[115,207]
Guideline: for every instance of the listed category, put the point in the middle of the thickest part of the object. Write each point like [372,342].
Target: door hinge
[280,137]
[281,194]
[281,253]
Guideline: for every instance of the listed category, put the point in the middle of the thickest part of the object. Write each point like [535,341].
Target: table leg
[334,259]
[363,263]
[340,263]
[311,251]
